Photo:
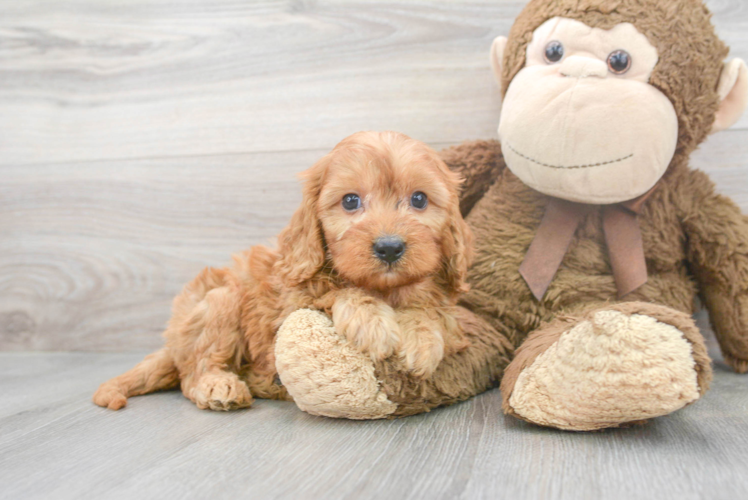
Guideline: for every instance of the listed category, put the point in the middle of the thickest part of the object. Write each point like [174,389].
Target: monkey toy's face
[581,122]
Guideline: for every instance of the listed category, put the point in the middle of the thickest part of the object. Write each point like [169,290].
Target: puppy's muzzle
[389,249]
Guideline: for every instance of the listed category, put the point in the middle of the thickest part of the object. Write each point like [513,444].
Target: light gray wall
[142,140]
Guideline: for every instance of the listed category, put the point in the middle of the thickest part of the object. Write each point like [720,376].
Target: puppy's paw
[110,396]
[221,391]
[422,350]
[369,325]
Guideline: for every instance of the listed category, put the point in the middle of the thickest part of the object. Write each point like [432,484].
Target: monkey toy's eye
[554,52]
[619,62]
[419,200]
[351,202]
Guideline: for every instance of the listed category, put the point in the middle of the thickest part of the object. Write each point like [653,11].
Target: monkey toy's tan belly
[505,222]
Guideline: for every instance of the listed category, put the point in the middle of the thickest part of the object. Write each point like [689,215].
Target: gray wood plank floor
[54,443]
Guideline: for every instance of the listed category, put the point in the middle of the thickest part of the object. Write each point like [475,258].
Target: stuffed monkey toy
[593,235]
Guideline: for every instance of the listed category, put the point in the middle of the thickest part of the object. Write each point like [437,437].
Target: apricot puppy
[378,242]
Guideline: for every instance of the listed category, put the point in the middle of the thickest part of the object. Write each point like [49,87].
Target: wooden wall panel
[142,140]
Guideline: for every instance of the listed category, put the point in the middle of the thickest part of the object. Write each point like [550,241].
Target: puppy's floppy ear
[300,244]
[457,245]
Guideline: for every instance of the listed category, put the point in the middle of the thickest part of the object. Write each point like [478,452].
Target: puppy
[378,243]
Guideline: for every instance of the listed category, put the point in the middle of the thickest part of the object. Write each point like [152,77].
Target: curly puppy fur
[220,339]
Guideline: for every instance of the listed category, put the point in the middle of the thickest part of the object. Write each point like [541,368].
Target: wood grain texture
[94,252]
[131,79]
[54,443]
[142,140]
[85,80]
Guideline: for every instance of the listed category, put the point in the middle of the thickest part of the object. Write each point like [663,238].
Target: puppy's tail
[156,372]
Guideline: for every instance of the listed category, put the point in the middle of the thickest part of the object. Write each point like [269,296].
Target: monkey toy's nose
[583,67]
[389,248]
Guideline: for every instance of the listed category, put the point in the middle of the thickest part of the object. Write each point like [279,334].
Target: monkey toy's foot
[614,365]
[324,374]
[327,375]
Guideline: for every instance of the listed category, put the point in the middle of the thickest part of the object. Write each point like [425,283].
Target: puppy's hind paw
[221,391]
[110,396]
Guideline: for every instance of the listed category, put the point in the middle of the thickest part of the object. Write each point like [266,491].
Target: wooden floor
[141,140]
[55,444]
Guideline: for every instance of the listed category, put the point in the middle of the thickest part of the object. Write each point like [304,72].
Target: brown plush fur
[458,377]
[695,241]
[220,339]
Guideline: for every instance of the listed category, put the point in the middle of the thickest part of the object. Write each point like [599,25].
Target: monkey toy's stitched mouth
[561,167]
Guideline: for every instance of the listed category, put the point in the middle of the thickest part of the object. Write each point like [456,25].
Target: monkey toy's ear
[733,94]
[497,57]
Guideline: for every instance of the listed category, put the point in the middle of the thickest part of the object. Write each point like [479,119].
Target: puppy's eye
[351,202]
[619,62]
[554,52]
[418,200]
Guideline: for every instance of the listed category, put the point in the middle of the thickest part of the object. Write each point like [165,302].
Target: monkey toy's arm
[717,240]
[479,163]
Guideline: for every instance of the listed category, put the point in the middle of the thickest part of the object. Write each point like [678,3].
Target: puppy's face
[386,206]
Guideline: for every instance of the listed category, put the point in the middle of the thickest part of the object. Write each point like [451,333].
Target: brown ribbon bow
[560,221]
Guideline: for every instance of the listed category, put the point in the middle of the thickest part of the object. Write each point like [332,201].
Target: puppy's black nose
[389,248]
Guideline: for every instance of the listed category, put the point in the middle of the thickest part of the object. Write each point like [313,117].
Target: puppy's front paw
[221,391]
[422,349]
[368,324]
